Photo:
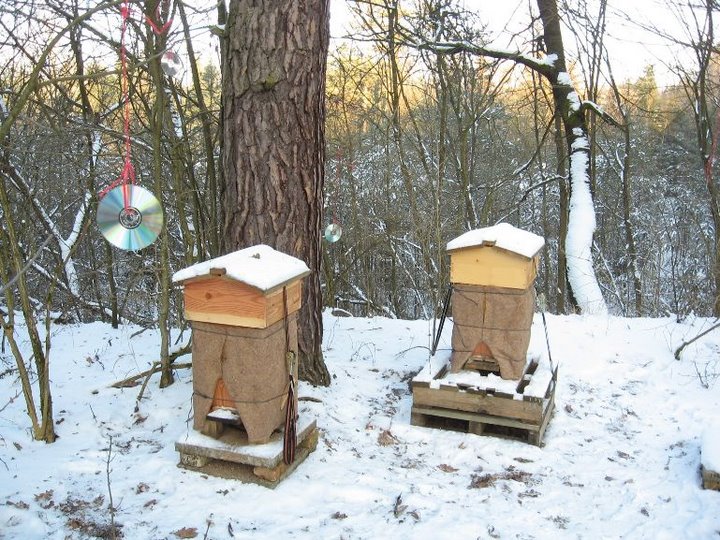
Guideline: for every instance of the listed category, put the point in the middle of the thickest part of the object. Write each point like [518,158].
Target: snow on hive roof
[259,266]
[503,236]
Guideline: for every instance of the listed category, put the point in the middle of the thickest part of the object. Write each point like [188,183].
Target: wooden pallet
[710,479]
[485,405]
[231,456]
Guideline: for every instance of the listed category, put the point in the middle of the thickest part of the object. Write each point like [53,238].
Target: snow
[711,447]
[259,266]
[578,241]
[620,459]
[504,236]
[564,78]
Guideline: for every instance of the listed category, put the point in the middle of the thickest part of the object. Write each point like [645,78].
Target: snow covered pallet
[485,404]
[230,456]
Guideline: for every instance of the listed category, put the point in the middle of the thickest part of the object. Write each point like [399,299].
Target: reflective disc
[171,63]
[333,232]
[130,217]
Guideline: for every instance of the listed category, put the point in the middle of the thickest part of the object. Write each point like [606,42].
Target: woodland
[429,132]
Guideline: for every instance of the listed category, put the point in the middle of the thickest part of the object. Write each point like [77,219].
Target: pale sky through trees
[631,48]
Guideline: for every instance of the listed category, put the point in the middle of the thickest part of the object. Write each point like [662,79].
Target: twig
[209,523]
[154,369]
[693,340]
[310,398]
[130,381]
[11,401]
[109,487]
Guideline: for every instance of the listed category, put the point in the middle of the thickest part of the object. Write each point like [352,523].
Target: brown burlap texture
[252,365]
[499,317]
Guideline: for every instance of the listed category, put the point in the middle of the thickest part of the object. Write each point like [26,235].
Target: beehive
[246,288]
[243,311]
[498,256]
[492,271]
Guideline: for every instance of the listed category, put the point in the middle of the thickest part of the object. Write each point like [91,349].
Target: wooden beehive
[243,311]
[252,288]
[492,271]
[497,256]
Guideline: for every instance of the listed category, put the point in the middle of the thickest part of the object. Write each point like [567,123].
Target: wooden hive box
[497,256]
[248,288]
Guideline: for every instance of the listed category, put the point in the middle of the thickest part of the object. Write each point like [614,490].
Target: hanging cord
[540,301]
[127,175]
[443,316]
[156,25]
[290,436]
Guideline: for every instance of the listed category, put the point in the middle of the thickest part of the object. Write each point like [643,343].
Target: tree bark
[273,143]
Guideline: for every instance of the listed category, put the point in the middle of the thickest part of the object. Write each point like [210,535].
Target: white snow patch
[502,235]
[259,266]
[581,227]
[620,457]
[711,447]
[574,101]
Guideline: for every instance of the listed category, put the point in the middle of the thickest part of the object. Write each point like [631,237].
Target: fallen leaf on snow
[186,532]
[386,438]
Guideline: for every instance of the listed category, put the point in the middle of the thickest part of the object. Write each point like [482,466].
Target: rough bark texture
[273,143]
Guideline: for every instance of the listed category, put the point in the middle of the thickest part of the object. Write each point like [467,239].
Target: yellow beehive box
[497,256]
[253,287]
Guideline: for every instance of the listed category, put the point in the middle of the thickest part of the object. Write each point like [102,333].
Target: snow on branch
[598,110]
[545,66]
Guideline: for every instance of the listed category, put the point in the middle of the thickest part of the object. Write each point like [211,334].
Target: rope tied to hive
[290,434]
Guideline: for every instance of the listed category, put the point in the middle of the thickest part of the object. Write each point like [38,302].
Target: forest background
[421,146]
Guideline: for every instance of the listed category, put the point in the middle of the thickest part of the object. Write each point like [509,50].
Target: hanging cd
[171,63]
[333,232]
[130,217]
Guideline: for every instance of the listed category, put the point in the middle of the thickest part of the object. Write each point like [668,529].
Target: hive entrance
[482,360]
[222,412]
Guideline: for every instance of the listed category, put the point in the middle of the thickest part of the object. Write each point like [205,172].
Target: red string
[127,175]
[159,30]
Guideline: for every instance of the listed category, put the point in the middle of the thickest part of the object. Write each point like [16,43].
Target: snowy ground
[620,460]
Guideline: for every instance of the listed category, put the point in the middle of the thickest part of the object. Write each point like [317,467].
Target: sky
[631,47]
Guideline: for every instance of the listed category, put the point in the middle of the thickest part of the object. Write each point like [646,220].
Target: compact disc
[333,232]
[130,217]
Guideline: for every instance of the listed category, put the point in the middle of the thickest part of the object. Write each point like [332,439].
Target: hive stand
[485,404]
[710,457]
[231,455]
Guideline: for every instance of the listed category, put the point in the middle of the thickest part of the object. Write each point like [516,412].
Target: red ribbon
[159,30]
[127,175]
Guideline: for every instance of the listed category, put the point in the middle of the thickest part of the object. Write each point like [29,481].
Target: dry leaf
[444,467]
[45,496]
[186,532]
[386,438]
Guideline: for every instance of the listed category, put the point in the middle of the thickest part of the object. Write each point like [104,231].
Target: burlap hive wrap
[252,365]
[499,317]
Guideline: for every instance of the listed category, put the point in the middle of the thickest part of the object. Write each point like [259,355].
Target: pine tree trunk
[273,143]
